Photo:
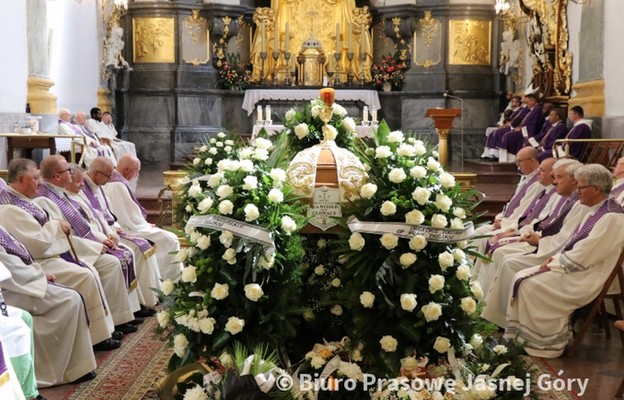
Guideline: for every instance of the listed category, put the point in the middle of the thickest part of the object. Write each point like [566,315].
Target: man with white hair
[81,123]
[93,148]
[109,134]
[544,297]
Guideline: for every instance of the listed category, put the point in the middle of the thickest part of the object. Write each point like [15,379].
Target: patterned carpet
[540,366]
[130,373]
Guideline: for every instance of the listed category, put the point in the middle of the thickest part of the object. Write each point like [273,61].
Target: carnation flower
[356,241]
[253,291]
[432,311]
[367,299]
[388,343]
[408,301]
[388,208]
[234,325]
[219,291]
[208,161]
[436,282]
[389,241]
[442,344]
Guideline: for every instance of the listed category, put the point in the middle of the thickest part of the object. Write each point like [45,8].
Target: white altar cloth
[362,131]
[253,96]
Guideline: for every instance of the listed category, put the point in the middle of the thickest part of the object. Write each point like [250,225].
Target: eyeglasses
[580,188]
[102,173]
[65,170]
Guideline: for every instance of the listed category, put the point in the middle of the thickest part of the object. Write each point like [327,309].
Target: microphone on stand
[461,105]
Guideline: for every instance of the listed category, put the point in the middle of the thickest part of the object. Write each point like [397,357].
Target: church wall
[14,53]
[74,61]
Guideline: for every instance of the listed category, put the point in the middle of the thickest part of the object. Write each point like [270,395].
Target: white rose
[500,349]
[290,114]
[317,362]
[459,212]
[188,208]
[445,260]
[179,345]
[250,183]
[226,207]
[213,151]
[469,305]
[321,243]
[253,291]
[436,282]
[418,172]
[406,150]
[420,149]
[417,243]
[463,273]
[219,291]
[302,131]
[205,205]
[476,341]
[206,325]
[383,152]
[433,164]
[421,195]
[246,153]
[443,202]
[196,161]
[407,259]
[266,262]
[395,137]
[246,165]
[329,132]
[388,343]
[389,241]
[276,196]
[195,190]
[475,289]
[203,242]
[221,135]
[457,223]
[387,208]
[397,175]
[262,143]
[228,149]
[261,154]
[442,344]
[408,301]
[229,142]
[432,311]
[414,217]
[339,110]
[234,325]
[367,299]
[203,149]
[288,224]
[251,212]
[459,255]
[214,180]
[278,175]
[230,256]
[226,238]
[319,270]
[189,274]
[438,221]
[166,286]
[208,161]
[336,310]
[356,241]
[163,318]
[447,180]
[368,190]
[336,282]
[308,315]
[315,110]
[349,124]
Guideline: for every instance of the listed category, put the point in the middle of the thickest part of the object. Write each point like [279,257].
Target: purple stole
[517,197]
[609,206]
[38,213]
[14,247]
[618,190]
[4,371]
[78,219]
[146,246]
[537,207]
[552,225]
[117,177]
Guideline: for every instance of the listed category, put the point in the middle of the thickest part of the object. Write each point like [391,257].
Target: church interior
[169,76]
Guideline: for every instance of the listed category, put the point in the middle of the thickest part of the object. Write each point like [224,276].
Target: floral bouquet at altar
[390,71]
[304,127]
[233,75]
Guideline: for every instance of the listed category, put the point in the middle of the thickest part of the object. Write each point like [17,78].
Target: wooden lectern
[443,121]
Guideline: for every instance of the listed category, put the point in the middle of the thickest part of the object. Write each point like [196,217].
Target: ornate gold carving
[589,95]
[548,39]
[153,40]
[427,41]
[196,50]
[194,26]
[396,22]
[469,42]
[219,49]
[427,27]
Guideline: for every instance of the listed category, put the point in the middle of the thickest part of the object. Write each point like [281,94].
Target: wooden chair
[598,303]
[620,325]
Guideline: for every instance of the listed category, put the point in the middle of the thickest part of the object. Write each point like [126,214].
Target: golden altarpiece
[295,39]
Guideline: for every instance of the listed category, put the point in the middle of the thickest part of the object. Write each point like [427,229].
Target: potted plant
[389,73]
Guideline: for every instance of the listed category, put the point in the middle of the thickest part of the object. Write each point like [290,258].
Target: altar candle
[286,38]
[262,38]
[328,95]
[267,111]
[350,40]
[374,114]
[259,112]
[338,37]
[365,114]
[276,37]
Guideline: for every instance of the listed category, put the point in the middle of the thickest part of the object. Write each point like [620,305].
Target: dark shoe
[86,377]
[126,328]
[40,397]
[117,335]
[108,344]
[136,321]
[144,312]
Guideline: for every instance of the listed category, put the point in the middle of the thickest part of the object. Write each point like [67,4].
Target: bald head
[64,115]
[81,117]
[129,166]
